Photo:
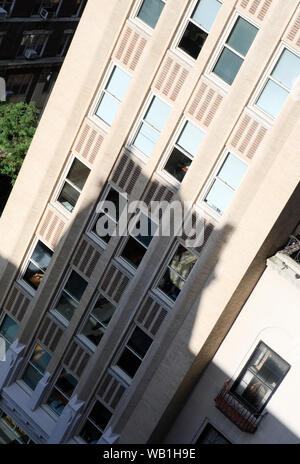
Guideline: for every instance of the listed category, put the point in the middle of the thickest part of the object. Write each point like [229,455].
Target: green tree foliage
[18,122]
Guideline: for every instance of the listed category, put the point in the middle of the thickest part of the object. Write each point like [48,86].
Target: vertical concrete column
[39,392]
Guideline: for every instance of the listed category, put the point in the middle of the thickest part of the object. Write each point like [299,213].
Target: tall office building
[34,38]
[151,339]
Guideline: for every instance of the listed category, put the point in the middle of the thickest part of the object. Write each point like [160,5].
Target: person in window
[36,279]
[255,393]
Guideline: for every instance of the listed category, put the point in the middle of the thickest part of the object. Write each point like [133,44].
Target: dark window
[138,242]
[105,223]
[62,392]
[177,272]
[198,26]
[98,320]
[71,295]
[96,423]
[38,263]
[236,47]
[260,378]
[73,185]
[32,45]
[211,436]
[134,352]
[186,147]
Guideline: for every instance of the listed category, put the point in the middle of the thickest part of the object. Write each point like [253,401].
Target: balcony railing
[236,411]
[292,248]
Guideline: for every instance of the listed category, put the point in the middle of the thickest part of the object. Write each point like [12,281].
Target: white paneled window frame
[86,342]
[26,262]
[100,93]
[134,218]
[201,205]
[60,185]
[90,232]
[172,145]
[135,19]
[159,294]
[58,294]
[183,25]
[208,73]
[266,117]
[129,146]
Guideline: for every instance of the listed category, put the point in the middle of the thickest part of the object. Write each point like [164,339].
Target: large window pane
[272,98]
[146,139]
[232,171]
[139,342]
[228,65]
[158,113]
[118,83]
[287,68]
[178,164]
[190,138]
[171,284]
[183,261]
[31,377]
[133,252]
[242,36]
[205,12]
[107,108]
[76,285]
[150,11]
[68,197]
[40,358]
[42,255]
[219,196]
[129,362]
[9,329]
[192,40]
[78,173]
[66,306]
[103,310]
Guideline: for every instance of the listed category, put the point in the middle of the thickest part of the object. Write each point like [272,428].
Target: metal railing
[292,248]
[236,411]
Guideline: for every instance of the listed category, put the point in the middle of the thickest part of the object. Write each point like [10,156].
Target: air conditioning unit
[44,13]
[30,54]
[3,13]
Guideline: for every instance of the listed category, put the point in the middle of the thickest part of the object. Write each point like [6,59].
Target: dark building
[34,38]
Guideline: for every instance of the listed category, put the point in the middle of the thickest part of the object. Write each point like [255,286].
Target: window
[177,272]
[225,183]
[73,185]
[150,11]
[71,295]
[134,352]
[18,84]
[151,126]
[36,367]
[96,423]
[7,6]
[98,320]
[64,44]
[32,45]
[52,7]
[38,263]
[261,376]
[137,244]
[235,50]
[8,330]
[185,148]
[198,26]
[62,392]
[78,7]
[112,95]
[106,220]
[211,436]
[11,433]
[279,83]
